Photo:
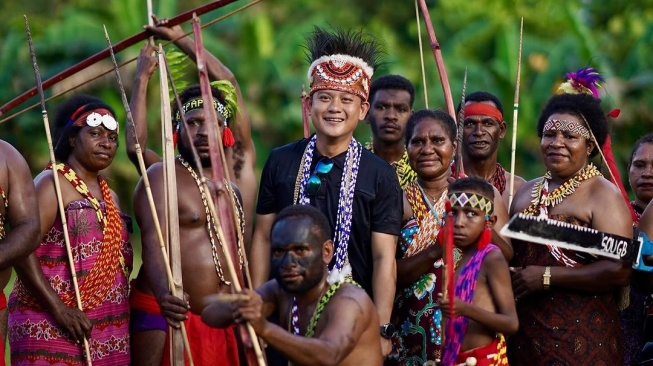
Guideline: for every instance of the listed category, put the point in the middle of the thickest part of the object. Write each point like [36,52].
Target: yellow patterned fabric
[405,173]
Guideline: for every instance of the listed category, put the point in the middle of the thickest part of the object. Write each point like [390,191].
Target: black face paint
[296,262]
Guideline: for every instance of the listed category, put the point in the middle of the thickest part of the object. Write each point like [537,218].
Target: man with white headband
[357,191]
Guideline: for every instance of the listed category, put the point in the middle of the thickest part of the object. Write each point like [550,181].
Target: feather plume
[184,74]
[349,42]
[585,80]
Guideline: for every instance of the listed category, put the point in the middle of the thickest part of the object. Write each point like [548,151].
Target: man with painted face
[391,104]
[357,191]
[334,323]
[483,127]
[203,265]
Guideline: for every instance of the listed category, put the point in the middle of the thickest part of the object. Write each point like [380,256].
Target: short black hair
[584,106]
[472,185]
[396,82]
[191,92]
[63,130]
[440,116]
[646,139]
[320,225]
[482,96]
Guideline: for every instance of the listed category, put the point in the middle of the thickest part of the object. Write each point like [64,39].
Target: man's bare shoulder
[352,298]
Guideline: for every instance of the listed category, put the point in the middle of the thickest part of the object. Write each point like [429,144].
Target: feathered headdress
[182,71]
[588,81]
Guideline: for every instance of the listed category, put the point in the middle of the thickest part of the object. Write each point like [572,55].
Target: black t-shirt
[377,199]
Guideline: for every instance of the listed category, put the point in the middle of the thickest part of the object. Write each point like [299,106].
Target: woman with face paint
[44,322]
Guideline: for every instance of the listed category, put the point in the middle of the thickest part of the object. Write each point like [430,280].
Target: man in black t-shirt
[357,191]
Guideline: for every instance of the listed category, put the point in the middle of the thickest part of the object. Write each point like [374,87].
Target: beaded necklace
[341,268]
[98,282]
[543,199]
[210,222]
[317,313]
[2,218]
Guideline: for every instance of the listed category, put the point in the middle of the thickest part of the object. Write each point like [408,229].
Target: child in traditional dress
[484,307]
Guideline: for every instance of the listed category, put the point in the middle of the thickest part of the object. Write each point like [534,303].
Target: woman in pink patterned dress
[45,325]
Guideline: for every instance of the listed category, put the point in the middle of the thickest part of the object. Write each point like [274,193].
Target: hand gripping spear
[220,174]
[148,191]
[55,176]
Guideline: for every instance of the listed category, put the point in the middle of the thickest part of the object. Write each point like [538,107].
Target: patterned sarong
[35,337]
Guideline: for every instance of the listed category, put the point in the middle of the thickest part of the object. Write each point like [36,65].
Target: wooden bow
[437,53]
[226,225]
[181,18]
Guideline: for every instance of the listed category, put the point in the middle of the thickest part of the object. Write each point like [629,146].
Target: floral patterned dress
[416,314]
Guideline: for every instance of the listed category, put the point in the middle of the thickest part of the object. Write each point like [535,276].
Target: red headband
[483,109]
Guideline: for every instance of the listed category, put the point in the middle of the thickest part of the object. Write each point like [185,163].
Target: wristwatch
[387,330]
[546,278]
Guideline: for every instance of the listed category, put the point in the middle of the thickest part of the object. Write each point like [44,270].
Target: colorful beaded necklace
[342,267]
[210,222]
[543,199]
[317,313]
[98,282]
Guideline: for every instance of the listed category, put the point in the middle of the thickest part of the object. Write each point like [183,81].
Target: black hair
[396,82]
[584,106]
[472,185]
[646,139]
[63,130]
[320,225]
[441,116]
[482,96]
[191,92]
[349,42]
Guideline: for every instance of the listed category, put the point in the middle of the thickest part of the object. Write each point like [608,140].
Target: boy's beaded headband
[473,200]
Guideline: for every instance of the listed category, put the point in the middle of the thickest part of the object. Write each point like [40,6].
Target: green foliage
[263,47]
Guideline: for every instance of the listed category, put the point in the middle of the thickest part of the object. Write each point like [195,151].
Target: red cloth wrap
[481,354]
[483,109]
[139,300]
[209,346]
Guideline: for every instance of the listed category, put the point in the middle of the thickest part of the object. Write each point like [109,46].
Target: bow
[226,225]
[181,18]
[437,53]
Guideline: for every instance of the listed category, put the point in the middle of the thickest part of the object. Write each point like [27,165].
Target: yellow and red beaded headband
[198,103]
[473,200]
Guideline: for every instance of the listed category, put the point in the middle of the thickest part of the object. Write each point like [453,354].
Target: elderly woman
[430,143]
[640,177]
[568,301]
[45,326]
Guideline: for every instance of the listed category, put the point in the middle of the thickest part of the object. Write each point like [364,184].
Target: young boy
[484,308]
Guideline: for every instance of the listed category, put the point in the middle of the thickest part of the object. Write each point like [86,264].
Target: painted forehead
[567,123]
[473,200]
[292,230]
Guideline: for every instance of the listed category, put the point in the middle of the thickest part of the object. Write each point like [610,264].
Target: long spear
[437,53]
[55,176]
[220,174]
[183,17]
[459,133]
[515,112]
[148,190]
